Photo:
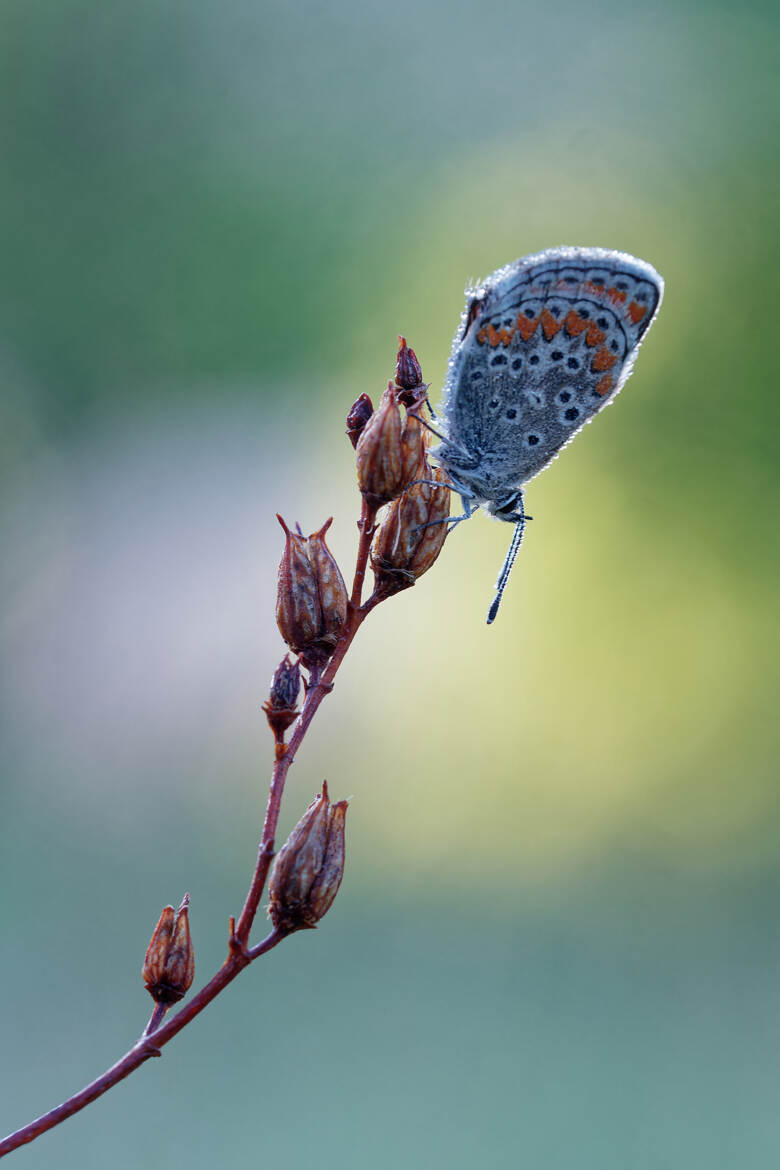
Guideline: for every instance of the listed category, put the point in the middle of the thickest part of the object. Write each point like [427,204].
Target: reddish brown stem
[157,1034]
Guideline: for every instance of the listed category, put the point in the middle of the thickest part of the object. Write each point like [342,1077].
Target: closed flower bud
[357,418]
[308,869]
[169,966]
[412,533]
[281,710]
[311,604]
[389,451]
[408,373]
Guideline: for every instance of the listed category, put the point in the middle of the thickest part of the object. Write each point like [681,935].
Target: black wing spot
[533,359]
[499,360]
[511,413]
[573,364]
[571,413]
[533,440]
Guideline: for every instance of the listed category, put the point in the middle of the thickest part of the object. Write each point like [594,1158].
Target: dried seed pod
[412,533]
[414,439]
[169,966]
[298,612]
[280,709]
[359,414]
[311,600]
[308,869]
[330,587]
[378,450]
[389,451]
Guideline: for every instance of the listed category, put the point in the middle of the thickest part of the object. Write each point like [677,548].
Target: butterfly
[543,345]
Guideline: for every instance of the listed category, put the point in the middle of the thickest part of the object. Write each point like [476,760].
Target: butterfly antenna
[503,576]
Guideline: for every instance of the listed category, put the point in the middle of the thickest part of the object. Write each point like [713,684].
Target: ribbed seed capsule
[412,533]
[308,869]
[330,587]
[169,966]
[389,451]
[298,612]
[311,600]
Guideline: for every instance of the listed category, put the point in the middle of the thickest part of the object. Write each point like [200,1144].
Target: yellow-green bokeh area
[556,943]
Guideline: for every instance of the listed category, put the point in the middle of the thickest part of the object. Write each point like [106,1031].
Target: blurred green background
[557,941]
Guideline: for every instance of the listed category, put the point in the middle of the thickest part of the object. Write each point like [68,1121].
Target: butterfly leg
[431,483]
[453,520]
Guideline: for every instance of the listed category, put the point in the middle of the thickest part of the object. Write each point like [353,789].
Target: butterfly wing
[544,344]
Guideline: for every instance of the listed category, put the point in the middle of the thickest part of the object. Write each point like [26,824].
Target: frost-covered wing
[544,344]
